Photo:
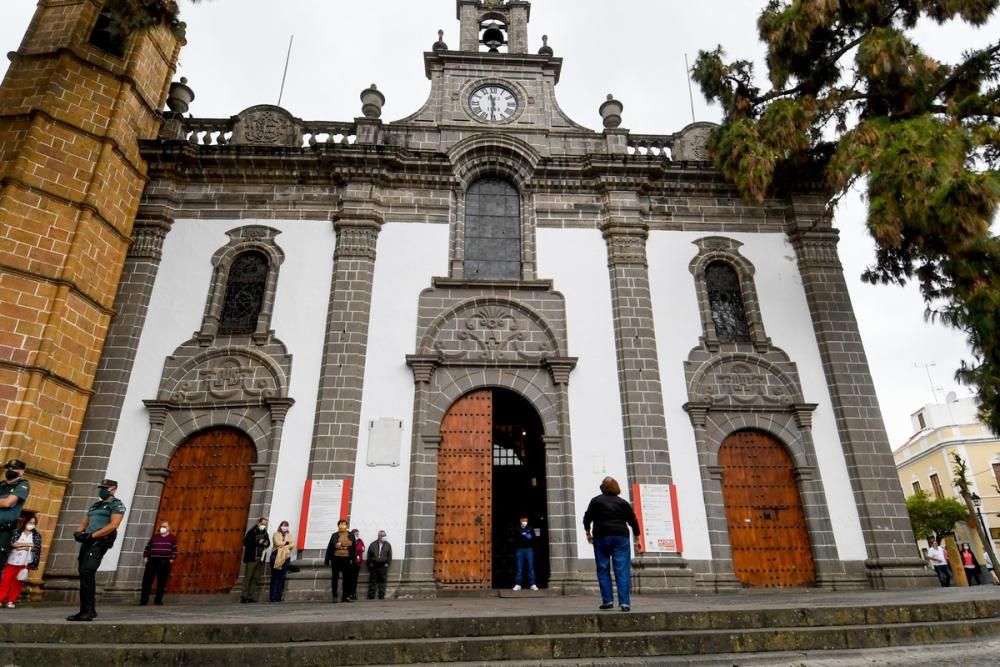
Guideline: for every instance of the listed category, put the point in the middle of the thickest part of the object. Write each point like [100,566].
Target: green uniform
[92,551]
[9,515]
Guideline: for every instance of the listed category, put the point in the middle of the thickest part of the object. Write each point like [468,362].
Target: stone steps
[507,638]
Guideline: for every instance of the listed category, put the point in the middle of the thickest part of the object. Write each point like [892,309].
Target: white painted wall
[787,322]
[409,255]
[176,308]
[576,261]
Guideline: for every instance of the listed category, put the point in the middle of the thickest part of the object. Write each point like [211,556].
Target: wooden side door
[767,525]
[206,500]
[462,528]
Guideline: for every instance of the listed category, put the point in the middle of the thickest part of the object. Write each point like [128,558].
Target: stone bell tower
[494,25]
[73,106]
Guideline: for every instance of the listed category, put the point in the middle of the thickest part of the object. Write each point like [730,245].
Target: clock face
[493,104]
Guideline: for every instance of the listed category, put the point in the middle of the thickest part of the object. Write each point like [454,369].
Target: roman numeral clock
[493,103]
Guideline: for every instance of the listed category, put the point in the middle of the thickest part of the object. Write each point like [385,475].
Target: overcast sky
[634,49]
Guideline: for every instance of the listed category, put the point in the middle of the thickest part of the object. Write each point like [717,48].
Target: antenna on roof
[288,57]
[687,75]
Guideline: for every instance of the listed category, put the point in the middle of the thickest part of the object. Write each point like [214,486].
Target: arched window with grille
[245,287]
[492,231]
[725,300]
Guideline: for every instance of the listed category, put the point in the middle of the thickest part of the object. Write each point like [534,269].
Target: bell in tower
[491,25]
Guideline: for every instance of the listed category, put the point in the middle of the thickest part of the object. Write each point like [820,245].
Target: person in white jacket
[938,556]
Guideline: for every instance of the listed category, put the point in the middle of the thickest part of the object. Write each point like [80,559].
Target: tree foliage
[934,516]
[854,96]
[128,16]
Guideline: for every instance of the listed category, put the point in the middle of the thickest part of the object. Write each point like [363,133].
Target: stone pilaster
[647,458]
[338,409]
[893,561]
[114,372]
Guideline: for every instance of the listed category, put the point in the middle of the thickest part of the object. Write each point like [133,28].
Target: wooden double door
[767,524]
[206,500]
[490,470]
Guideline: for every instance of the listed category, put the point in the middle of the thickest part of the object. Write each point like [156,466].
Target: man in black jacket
[611,518]
[255,544]
[379,559]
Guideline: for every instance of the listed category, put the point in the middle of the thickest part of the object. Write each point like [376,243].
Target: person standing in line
[255,544]
[611,517]
[971,565]
[988,562]
[14,490]
[357,559]
[96,535]
[25,554]
[379,559]
[158,555]
[339,553]
[939,560]
[524,553]
[281,560]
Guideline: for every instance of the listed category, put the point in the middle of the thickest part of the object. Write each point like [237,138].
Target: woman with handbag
[25,554]
[281,560]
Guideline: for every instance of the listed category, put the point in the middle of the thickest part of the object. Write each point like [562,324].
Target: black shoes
[81,617]
[625,607]
[607,605]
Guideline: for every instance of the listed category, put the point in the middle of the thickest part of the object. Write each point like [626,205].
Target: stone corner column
[893,560]
[647,457]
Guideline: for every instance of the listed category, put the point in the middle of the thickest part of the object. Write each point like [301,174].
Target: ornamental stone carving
[266,125]
[692,144]
[490,331]
[743,381]
[226,375]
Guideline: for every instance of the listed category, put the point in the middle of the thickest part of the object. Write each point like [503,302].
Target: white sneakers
[533,587]
[518,587]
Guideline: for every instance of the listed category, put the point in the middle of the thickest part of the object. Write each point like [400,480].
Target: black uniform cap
[16,464]
[107,483]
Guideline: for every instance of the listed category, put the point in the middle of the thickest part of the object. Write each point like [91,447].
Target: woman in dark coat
[611,518]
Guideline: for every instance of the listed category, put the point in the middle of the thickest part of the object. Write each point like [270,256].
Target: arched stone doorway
[491,469]
[206,500]
[767,525]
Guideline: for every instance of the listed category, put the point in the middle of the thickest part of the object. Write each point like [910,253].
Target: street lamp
[978,502]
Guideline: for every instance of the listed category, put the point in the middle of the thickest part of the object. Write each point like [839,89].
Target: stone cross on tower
[490,25]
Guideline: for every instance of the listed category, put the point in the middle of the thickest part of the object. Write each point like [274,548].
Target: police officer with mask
[14,491]
[96,535]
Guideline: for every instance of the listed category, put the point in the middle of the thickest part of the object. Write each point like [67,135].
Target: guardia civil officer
[97,533]
[14,489]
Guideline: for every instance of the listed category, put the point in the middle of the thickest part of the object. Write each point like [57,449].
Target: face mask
[284,529]
[30,526]
[103,494]
[261,526]
[164,531]
[381,538]
[524,524]
[11,475]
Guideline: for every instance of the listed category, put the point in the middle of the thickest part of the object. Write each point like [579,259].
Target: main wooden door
[462,527]
[206,500]
[767,525]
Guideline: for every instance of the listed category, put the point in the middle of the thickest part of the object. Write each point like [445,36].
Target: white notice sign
[324,503]
[659,525]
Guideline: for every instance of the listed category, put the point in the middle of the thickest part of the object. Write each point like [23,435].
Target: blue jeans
[613,549]
[525,563]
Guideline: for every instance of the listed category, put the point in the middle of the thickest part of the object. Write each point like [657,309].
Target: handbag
[22,575]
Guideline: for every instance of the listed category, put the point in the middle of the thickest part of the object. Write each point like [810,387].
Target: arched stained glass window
[492,231]
[725,299]
[244,294]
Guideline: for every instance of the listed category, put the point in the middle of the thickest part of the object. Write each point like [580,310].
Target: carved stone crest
[265,125]
[225,376]
[743,382]
[692,145]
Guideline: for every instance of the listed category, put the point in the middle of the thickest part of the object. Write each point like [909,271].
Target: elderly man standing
[96,535]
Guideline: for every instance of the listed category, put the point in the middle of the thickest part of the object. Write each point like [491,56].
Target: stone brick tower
[73,106]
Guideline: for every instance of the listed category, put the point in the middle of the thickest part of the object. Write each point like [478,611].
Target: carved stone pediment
[225,375]
[490,330]
[692,144]
[743,382]
[266,125]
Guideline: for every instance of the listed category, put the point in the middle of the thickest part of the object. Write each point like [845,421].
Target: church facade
[434,325]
